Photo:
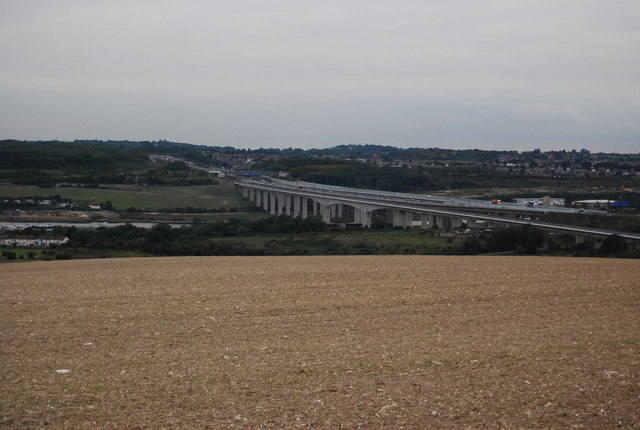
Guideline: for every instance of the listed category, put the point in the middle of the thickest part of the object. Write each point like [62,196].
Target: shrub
[613,245]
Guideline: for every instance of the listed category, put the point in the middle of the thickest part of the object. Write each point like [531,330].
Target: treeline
[284,235]
[91,163]
[349,173]
[520,240]
[528,240]
[196,153]
[69,156]
[196,240]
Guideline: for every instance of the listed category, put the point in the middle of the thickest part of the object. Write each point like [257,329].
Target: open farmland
[150,197]
[325,342]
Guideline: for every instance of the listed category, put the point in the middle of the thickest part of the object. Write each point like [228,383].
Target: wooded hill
[388,168]
[46,163]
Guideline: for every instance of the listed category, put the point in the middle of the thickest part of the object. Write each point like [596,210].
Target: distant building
[30,242]
[600,204]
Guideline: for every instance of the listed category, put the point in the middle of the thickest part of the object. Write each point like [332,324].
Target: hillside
[89,163]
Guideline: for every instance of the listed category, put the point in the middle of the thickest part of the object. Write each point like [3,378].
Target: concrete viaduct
[357,206]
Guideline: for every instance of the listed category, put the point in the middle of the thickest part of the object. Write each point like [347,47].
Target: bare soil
[326,342]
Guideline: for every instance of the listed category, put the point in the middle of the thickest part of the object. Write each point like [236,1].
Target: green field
[219,196]
[343,242]
[191,217]
[23,253]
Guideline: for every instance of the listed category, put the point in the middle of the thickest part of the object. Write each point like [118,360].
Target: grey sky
[495,74]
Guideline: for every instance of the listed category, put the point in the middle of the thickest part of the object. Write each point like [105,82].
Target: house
[30,242]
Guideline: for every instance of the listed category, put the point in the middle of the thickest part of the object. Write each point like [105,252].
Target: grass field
[346,242]
[23,253]
[327,342]
[149,197]
[206,217]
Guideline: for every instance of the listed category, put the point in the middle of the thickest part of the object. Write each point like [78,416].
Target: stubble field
[325,342]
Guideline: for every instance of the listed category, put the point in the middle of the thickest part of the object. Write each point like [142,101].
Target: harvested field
[325,342]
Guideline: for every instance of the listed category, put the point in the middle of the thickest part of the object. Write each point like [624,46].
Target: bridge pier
[272,201]
[442,222]
[296,205]
[287,204]
[365,217]
[357,216]
[325,212]
[396,219]
[437,221]
[424,221]
[282,204]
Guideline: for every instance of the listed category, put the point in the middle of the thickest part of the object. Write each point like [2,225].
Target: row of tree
[164,240]
[202,240]
[348,173]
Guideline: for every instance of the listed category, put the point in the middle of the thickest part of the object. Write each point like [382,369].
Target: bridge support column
[305,203]
[296,205]
[357,215]
[437,221]
[396,218]
[424,221]
[272,203]
[402,219]
[362,216]
[339,211]
[366,218]
[287,204]
[314,207]
[408,219]
[258,198]
[325,211]
[280,204]
[245,192]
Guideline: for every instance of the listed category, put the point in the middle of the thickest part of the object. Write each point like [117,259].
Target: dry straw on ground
[325,342]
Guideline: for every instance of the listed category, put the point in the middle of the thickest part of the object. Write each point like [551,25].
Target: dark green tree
[613,245]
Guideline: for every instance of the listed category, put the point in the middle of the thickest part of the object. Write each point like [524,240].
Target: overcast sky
[495,74]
